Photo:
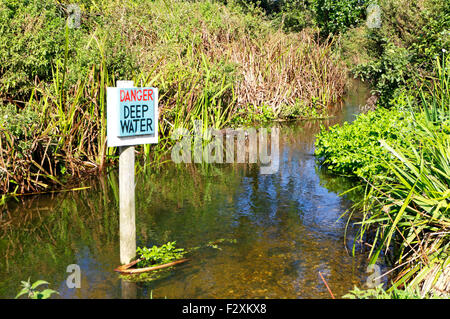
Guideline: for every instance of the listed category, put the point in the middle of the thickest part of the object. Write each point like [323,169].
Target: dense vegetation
[400,151]
[406,168]
[158,255]
[397,53]
[221,64]
[354,149]
[229,63]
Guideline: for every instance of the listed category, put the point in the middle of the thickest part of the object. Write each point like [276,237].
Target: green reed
[406,213]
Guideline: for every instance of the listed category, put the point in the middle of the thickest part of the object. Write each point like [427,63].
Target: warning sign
[132,116]
[136,112]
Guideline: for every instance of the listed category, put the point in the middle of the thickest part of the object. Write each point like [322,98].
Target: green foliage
[410,207]
[401,53]
[159,255]
[18,128]
[354,149]
[301,110]
[390,72]
[294,15]
[420,26]
[33,39]
[31,290]
[335,16]
[380,293]
[209,61]
[406,204]
[253,115]
[31,36]
[165,254]
[331,16]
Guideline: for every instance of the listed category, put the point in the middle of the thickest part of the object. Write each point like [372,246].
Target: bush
[419,26]
[33,41]
[294,15]
[31,37]
[336,16]
[402,51]
[354,149]
[388,74]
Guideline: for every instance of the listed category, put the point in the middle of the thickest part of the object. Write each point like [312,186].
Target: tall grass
[409,208]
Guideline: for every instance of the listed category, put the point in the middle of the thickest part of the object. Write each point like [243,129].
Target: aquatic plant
[158,255]
[354,149]
[31,290]
[410,210]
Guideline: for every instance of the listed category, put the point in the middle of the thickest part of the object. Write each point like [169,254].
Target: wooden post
[128,289]
[126,197]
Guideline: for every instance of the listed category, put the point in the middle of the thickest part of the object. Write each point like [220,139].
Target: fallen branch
[124,269]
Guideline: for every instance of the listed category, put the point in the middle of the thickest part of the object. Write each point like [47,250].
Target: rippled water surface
[285,225]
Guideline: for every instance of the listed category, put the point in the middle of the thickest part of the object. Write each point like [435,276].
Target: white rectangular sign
[132,116]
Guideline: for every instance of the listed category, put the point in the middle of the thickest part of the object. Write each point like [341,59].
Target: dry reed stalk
[287,70]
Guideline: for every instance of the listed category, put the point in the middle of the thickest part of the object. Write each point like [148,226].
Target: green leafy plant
[379,293]
[252,115]
[334,16]
[354,149]
[159,255]
[410,208]
[210,62]
[401,53]
[31,290]
[392,71]
[165,254]
[406,210]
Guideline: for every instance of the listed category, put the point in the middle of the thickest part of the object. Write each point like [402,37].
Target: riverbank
[399,150]
[402,158]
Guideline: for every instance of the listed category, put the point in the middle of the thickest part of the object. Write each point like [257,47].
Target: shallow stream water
[286,227]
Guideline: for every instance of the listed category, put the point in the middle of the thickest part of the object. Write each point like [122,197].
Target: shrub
[354,149]
[420,26]
[18,128]
[392,71]
[335,16]
[31,37]
[401,53]
[33,40]
[294,15]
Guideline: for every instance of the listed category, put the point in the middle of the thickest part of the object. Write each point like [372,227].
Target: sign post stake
[132,119]
[127,198]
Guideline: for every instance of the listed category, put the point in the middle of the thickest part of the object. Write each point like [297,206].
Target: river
[286,229]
